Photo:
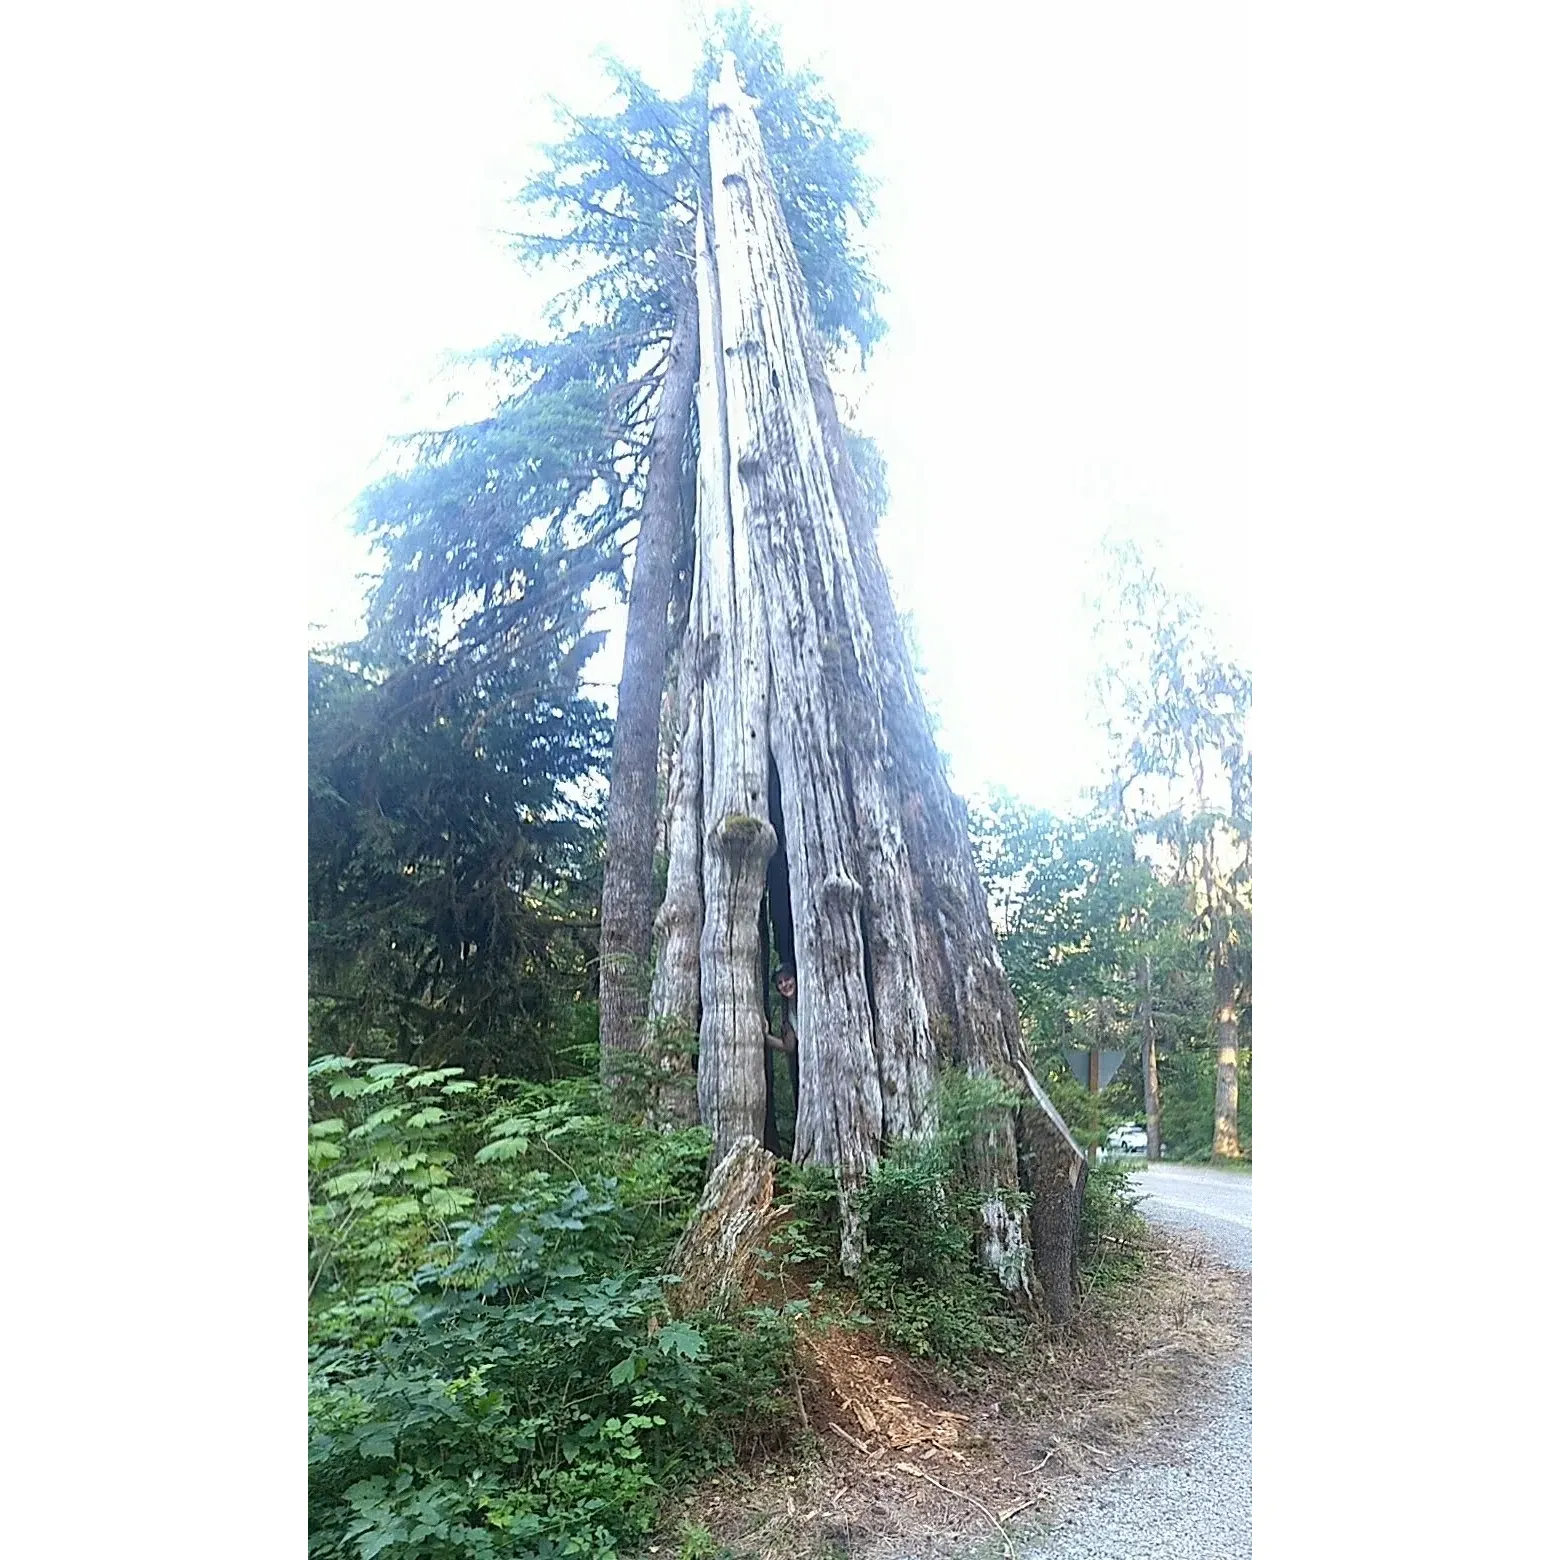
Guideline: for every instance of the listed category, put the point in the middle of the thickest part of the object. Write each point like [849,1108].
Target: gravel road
[1192,1499]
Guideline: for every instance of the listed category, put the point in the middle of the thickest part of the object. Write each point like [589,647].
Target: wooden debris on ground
[873,1402]
[892,1465]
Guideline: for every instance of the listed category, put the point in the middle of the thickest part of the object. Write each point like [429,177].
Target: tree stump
[717,1257]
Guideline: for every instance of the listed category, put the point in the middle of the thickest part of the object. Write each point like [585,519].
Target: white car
[1129,1139]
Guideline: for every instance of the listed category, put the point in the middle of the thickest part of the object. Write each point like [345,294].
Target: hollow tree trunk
[801,662]
[628,882]
[1150,1049]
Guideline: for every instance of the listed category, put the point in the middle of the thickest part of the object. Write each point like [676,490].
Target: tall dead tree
[628,880]
[796,684]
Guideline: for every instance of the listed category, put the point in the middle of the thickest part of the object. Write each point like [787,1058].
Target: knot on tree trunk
[716,1259]
[839,890]
[739,835]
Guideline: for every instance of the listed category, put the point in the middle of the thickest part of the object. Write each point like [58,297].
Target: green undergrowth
[919,1278]
[494,1368]
[920,1286]
[1111,1238]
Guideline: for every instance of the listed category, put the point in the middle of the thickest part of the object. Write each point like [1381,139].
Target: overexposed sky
[1060,231]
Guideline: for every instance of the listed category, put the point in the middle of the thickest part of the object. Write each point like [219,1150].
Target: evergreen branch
[625,162]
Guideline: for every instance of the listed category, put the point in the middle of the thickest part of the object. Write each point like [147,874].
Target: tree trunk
[672,1026]
[734,747]
[1150,1048]
[628,882]
[1226,1079]
[971,1014]
[1226,1038]
[800,664]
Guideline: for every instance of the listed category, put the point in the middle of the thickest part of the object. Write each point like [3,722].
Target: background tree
[1175,707]
[451,893]
[1070,902]
[1079,915]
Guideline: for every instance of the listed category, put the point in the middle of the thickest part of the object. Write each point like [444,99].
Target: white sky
[1061,233]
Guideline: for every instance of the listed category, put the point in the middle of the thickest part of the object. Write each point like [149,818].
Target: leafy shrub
[1111,1229]
[508,1382]
[695,1542]
[810,1238]
[919,1275]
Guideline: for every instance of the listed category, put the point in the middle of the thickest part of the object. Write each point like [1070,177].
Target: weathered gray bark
[802,663]
[808,606]
[1149,1043]
[628,882]
[717,1258]
[734,742]
[971,1014]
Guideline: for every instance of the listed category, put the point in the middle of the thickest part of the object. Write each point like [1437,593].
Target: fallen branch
[1039,1467]
[985,1511]
[1023,1505]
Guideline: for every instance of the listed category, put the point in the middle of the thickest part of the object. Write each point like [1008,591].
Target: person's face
[787,985]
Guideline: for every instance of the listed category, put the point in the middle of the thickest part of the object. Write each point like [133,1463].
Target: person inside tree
[783,1041]
[785,985]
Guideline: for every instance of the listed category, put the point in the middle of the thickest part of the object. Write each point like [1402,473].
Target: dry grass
[897,1457]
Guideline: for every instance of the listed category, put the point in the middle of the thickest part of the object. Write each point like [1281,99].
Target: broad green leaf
[626,1370]
[680,1338]
[505,1148]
